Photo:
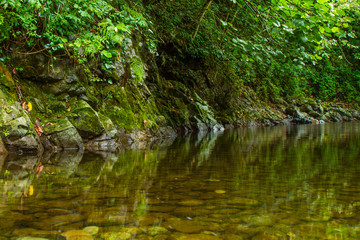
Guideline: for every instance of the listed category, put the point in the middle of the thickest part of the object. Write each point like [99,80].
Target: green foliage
[277,47]
[286,48]
[87,30]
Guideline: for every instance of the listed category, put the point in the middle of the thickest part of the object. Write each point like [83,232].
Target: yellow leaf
[31,190]
[220,191]
[29,106]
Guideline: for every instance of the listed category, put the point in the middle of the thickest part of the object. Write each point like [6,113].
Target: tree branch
[201,18]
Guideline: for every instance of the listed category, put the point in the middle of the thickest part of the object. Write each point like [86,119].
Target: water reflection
[290,182]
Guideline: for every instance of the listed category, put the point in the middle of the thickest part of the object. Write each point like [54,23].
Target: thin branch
[338,42]
[201,18]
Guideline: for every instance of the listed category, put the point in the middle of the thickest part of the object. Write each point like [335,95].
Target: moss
[5,77]
[138,68]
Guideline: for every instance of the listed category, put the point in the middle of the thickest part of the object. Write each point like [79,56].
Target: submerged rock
[184,226]
[156,230]
[116,236]
[194,237]
[77,235]
[92,230]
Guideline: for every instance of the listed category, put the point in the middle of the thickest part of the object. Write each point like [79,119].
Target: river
[285,182]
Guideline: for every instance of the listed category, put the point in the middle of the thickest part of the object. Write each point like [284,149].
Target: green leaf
[107,54]
[335,29]
[122,27]
[304,39]
[352,35]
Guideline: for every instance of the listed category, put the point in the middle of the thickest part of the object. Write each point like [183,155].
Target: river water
[286,182]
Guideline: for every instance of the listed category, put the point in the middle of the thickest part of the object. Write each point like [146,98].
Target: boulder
[86,120]
[107,141]
[64,135]
[17,131]
[54,76]
[294,112]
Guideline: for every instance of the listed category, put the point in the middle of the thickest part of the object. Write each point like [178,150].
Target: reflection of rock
[20,165]
[257,220]
[68,159]
[33,232]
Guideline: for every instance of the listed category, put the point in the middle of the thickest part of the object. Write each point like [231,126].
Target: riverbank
[60,108]
[58,104]
[109,75]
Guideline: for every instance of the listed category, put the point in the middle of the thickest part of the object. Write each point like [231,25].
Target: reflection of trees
[309,166]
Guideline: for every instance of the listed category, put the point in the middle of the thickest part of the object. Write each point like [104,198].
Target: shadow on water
[263,183]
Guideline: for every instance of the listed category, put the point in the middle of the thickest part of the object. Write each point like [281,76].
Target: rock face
[3,150]
[86,121]
[16,127]
[54,76]
[64,135]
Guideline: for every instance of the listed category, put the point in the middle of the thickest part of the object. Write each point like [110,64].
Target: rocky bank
[56,104]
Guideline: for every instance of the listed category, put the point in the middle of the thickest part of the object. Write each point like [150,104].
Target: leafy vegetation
[280,49]
[88,31]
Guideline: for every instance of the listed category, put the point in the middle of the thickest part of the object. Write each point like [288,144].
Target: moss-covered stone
[86,120]
[64,135]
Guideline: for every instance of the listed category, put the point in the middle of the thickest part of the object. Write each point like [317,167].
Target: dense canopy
[286,48]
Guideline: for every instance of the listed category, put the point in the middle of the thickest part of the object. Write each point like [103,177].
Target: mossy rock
[64,135]
[16,128]
[5,77]
[86,120]
[116,236]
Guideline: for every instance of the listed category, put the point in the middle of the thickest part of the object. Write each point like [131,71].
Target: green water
[298,182]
